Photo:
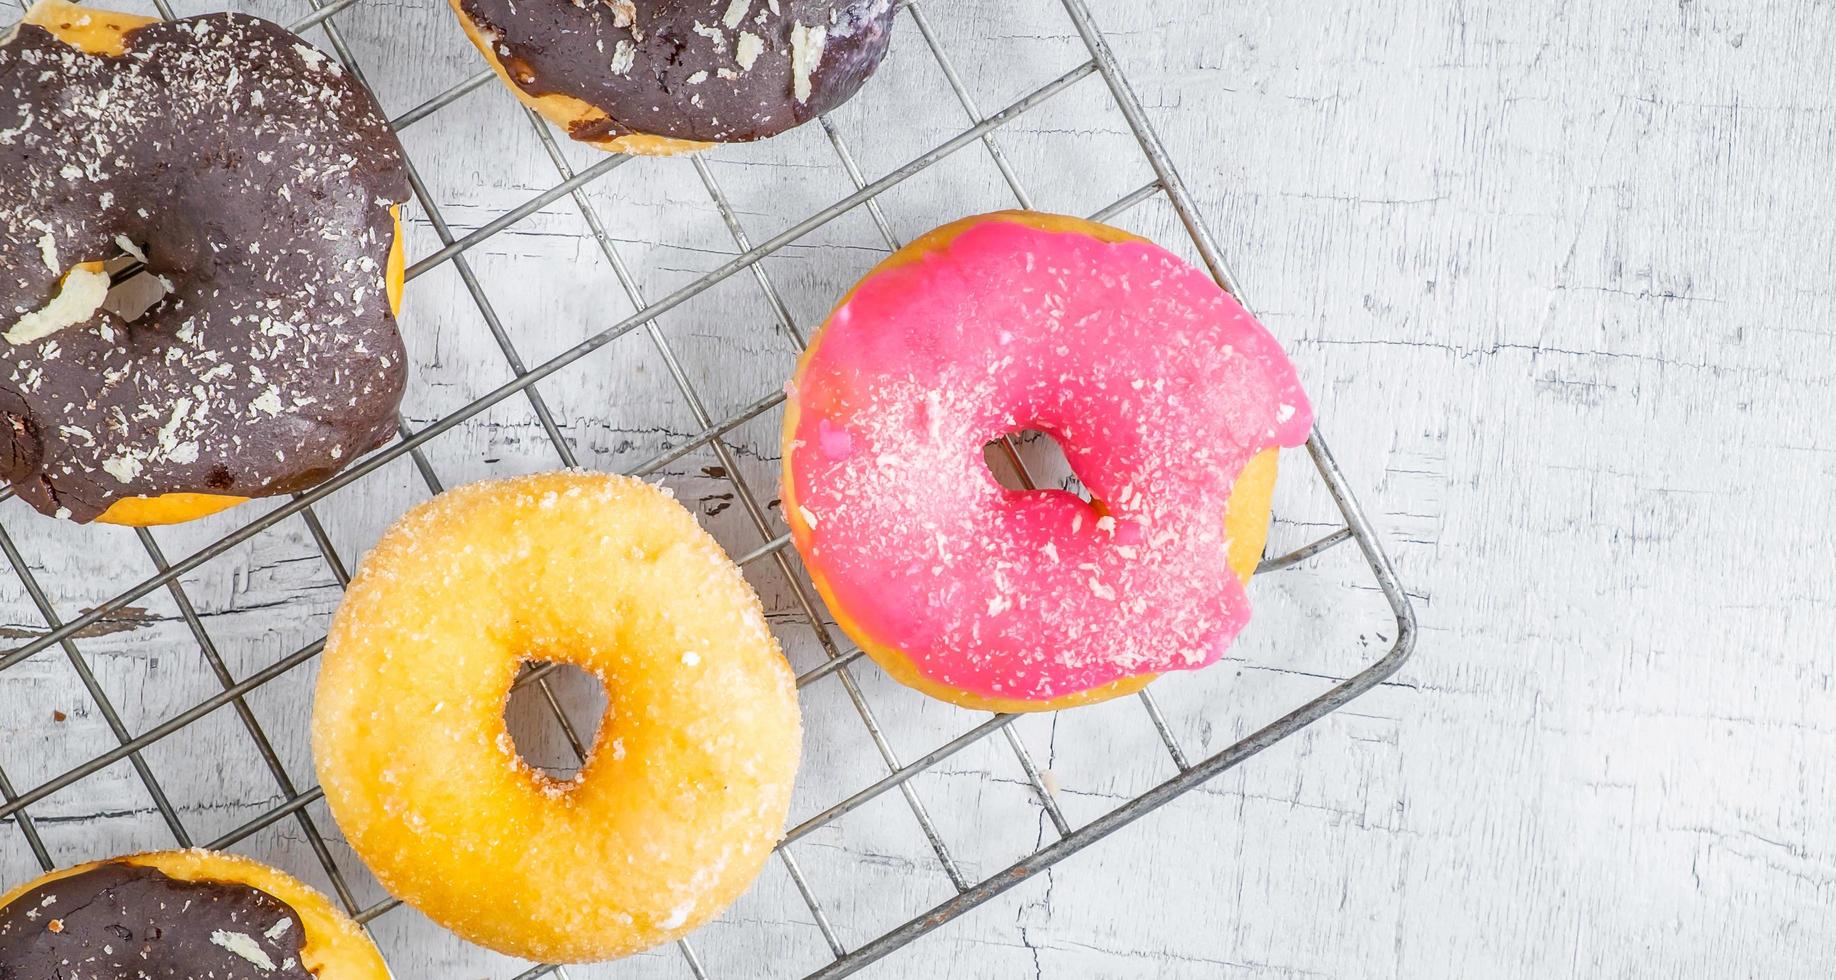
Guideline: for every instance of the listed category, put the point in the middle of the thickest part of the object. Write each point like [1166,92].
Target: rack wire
[839,658]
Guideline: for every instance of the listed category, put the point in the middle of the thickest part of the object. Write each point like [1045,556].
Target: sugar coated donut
[179,914]
[685,791]
[1167,397]
[258,185]
[671,76]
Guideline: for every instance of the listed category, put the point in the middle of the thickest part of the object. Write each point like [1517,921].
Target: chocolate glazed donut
[178,914]
[259,182]
[119,920]
[666,76]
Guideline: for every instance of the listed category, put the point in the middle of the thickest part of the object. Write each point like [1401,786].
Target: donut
[686,788]
[189,913]
[260,186]
[660,77]
[1169,400]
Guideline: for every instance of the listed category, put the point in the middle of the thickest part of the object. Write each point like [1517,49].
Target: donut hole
[135,289]
[541,741]
[1032,453]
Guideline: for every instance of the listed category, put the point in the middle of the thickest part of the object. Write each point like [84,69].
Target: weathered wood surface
[1561,276]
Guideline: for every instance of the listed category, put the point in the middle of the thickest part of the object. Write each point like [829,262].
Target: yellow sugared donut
[180,913]
[689,779]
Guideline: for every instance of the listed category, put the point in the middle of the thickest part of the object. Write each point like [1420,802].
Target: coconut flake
[77,300]
[806,56]
[736,12]
[124,468]
[624,12]
[748,49]
[624,55]
[243,945]
[127,245]
[168,433]
[268,401]
[47,249]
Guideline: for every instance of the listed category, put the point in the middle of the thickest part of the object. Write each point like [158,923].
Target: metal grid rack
[840,658]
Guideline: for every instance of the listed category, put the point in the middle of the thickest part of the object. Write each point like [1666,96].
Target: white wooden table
[1561,277]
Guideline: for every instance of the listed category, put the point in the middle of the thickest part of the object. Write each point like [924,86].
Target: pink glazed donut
[1167,397]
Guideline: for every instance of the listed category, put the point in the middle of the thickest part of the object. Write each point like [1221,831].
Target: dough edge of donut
[88,29]
[1247,515]
[335,947]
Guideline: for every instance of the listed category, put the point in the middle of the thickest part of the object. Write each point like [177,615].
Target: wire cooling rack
[838,663]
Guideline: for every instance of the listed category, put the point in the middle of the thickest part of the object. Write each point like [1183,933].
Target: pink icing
[1157,384]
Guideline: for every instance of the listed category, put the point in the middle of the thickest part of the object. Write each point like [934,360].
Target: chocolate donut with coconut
[670,76]
[258,186]
[169,914]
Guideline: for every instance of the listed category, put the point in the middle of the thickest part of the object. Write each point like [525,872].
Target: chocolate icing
[685,68]
[257,177]
[128,922]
